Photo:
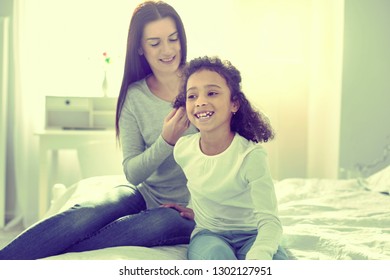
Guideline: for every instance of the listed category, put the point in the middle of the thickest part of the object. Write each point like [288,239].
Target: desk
[53,140]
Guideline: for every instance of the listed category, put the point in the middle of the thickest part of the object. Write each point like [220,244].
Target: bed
[322,219]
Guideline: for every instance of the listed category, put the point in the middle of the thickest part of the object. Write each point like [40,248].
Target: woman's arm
[185,212]
[140,162]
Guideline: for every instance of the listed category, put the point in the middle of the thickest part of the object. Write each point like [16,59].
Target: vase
[105,85]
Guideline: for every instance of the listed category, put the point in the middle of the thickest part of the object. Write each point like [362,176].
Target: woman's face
[208,102]
[160,44]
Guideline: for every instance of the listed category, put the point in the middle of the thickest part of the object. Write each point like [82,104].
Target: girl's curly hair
[248,122]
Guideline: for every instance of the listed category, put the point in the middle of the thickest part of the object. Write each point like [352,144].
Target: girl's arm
[265,207]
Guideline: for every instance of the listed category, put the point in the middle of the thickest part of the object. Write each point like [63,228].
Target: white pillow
[380,181]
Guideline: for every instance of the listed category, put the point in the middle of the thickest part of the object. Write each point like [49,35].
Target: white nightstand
[72,123]
[50,142]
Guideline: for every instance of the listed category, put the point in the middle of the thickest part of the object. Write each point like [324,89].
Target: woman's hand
[185,212]
[175,124]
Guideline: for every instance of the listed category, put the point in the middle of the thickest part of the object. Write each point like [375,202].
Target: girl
[232,192]
[148,128]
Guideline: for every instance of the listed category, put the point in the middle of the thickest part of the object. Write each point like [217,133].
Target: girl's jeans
[228,245]
[118,218]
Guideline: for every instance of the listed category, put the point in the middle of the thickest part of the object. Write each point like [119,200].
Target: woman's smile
[168,60]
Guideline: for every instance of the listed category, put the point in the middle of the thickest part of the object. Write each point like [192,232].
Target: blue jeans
[228,245]
[118,218]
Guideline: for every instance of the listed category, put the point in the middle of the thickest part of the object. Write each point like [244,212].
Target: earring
[140,52]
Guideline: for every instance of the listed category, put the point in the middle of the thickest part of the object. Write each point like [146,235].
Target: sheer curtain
[58,50]
[26,113]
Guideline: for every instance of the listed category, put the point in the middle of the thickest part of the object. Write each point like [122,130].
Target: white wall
[280,54]
[269,42]
[325,77]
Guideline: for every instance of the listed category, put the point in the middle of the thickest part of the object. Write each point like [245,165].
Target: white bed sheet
[322,219]
[330,219]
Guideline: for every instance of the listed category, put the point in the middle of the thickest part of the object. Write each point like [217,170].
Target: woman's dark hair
[136,67]
[248,122]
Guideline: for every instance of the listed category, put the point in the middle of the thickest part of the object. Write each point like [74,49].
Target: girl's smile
[204,116]
[209,106]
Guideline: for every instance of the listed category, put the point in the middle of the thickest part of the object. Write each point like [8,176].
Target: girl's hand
[175,124]
[185,212]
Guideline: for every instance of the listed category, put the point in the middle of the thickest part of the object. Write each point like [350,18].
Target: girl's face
[208,102]
[160,44]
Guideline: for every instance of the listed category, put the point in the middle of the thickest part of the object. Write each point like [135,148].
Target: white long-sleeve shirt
[232,191]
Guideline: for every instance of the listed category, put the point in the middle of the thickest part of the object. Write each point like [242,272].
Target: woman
[148,128]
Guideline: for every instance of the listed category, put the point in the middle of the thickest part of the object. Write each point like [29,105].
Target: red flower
[106,58]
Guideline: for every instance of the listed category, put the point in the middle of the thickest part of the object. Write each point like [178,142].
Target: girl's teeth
[204,115]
